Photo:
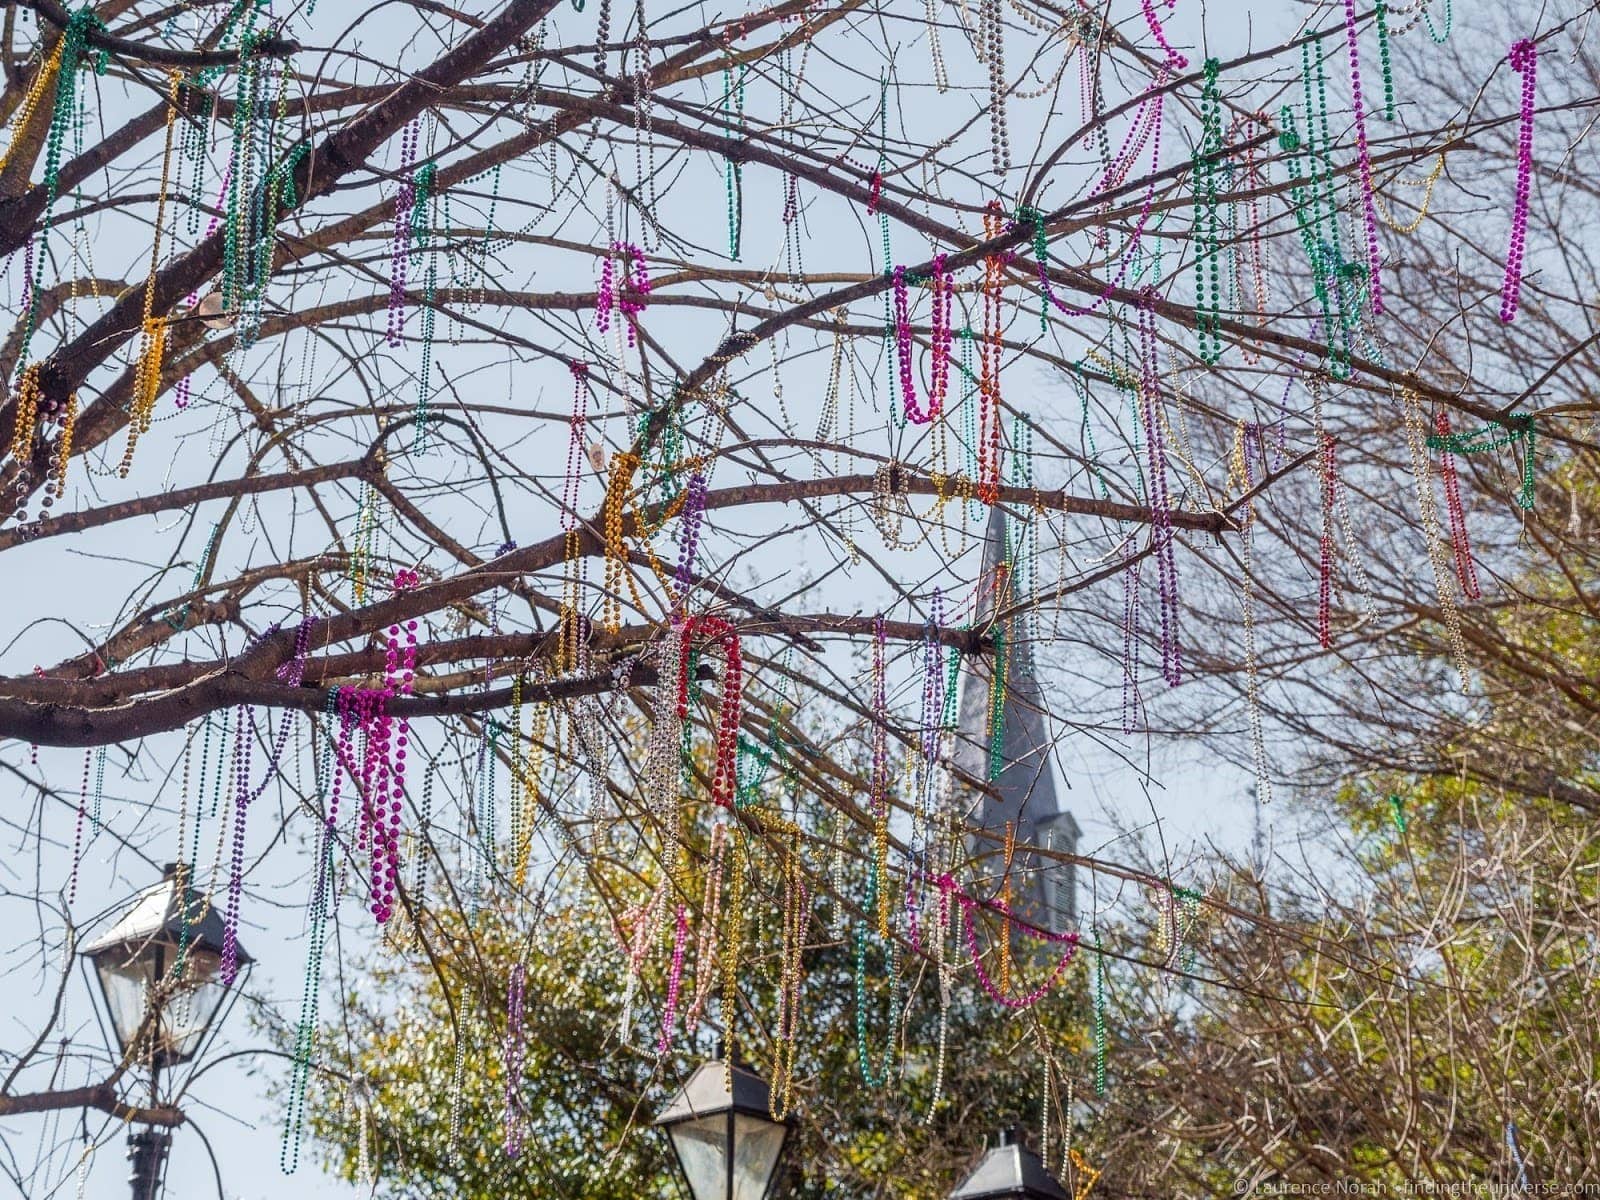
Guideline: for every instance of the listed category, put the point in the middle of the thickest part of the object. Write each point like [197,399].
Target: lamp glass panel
[134,974]
[125,975]
[756,1146]
[702,1146]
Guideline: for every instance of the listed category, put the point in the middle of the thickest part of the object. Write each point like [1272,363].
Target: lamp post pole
[147,1150]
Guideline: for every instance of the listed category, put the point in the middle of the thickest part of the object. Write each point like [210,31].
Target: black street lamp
[1010,1171]
[725,1140]
[159,969]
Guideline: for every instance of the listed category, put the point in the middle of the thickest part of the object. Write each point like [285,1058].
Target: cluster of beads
[1524,60]
[628,295]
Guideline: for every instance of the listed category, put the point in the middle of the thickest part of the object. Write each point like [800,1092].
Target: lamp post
[158,967]
[1009,1171]
[725,1140]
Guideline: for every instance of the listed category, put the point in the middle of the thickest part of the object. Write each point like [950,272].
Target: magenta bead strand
[1524,60]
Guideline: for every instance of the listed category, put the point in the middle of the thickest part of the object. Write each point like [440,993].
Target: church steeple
[1010,749]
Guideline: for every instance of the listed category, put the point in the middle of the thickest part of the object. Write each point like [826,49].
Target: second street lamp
[159,970]
[1009,1171]
[725,1140]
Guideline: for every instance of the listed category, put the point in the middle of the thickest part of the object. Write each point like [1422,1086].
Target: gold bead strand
[147,377]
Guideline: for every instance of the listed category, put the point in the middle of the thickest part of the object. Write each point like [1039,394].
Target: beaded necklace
[724,774]
[422,220]
[1524,60]
[1132,702]
[153,340]
[1369,213]
[1156,488]
[990,351]
[969,909]
[244,737]
[1144,128]
[400,243]
[311,988]
[878,803]
[66,115]
[1443,576]
[874,1076]
[1330,484]
[1208,227]
[1322,252]
[515,1129]
[572,576]
[733,168]
[991,52]
[669,1011]
[705,955]
[1517,428]
[786,1036]
[1461,546]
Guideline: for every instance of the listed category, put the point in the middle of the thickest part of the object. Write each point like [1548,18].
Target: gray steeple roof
[1024,791]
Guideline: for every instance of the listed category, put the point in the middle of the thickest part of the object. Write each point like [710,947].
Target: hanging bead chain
[42,80]
[1209,236]
[879,798]
[991,37]
[1369,212]
[147,376]
[571,643]
[990,351]
[1144,128]
[310,994]
[77,832]
[1466,569]
[786,1036]
[731,942]
[400,243]
[1330,486]
[25,422]
[1160,502]
[705,955]
[1099,1017]
[244,737]
[65,117]
[1443,576]
[1517,428]
[1131,701]
[669,1012]
[55,485]
[421,239]
[874,1077]
[970,908]
[732,168]
[724,773]
[1524,60]
[515,1123]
